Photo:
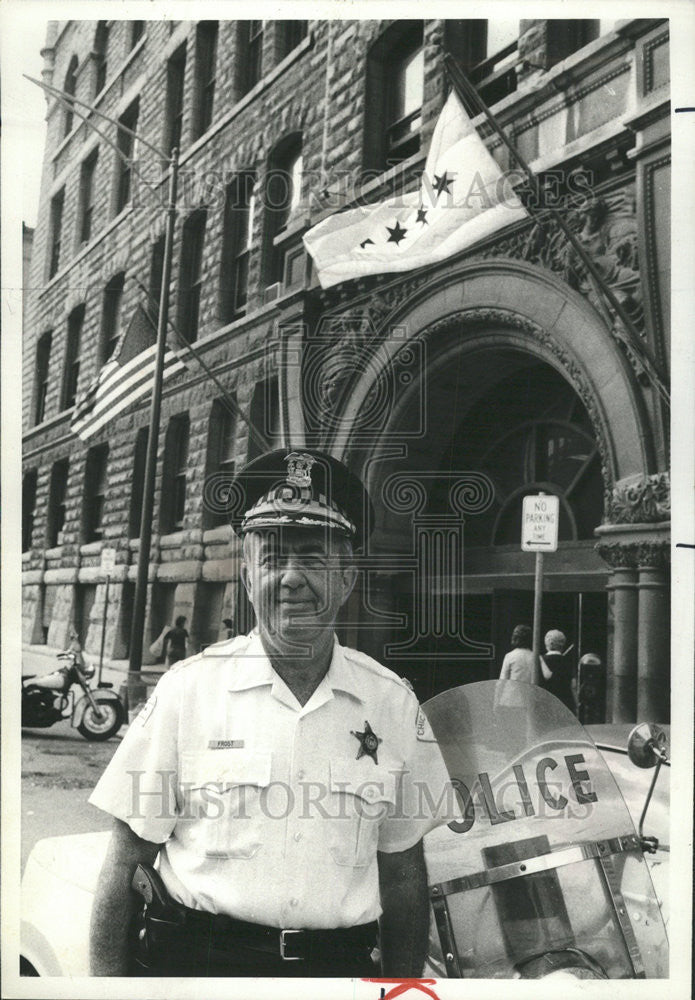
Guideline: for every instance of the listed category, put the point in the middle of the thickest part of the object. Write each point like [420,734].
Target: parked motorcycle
[542,873]
[97,713]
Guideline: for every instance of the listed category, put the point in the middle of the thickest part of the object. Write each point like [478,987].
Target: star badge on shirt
[369,742]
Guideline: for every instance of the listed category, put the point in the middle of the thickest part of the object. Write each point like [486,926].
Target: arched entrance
[511,419]
[524,387]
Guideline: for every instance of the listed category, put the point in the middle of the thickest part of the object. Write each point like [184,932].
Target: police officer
[277,777]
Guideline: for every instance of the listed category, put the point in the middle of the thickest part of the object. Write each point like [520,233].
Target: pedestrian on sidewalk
[556,669]
[518,664]
[175,642]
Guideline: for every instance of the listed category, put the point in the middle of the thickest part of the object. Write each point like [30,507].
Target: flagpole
[231,404]
[136,690]
[468,94]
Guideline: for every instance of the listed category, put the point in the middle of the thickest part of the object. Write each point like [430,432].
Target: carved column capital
[641,500]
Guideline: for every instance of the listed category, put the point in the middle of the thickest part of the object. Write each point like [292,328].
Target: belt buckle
[283,956]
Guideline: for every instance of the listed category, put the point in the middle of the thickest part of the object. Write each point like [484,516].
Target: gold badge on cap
[299,469]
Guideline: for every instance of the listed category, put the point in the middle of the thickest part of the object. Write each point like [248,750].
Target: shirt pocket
[359,800]
[222,793]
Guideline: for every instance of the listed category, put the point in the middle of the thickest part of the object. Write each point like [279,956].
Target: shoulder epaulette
[362,660]
[227,647]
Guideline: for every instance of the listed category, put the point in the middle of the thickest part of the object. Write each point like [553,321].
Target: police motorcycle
[542,874]
[97,713]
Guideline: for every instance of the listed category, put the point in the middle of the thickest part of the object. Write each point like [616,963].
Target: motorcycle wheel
[95,729]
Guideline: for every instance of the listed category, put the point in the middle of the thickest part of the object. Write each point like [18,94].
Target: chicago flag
[463,197]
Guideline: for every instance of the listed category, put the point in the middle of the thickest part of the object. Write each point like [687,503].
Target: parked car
[61,872]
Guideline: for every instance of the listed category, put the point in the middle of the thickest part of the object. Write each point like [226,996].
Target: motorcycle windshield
[543,872]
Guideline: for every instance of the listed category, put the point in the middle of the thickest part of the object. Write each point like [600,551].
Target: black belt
[289,944]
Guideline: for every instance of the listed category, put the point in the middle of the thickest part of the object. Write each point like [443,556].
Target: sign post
[540,516]
[108,562]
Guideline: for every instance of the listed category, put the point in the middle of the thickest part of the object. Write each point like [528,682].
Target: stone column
[622,584]
[653,688]
[635,544]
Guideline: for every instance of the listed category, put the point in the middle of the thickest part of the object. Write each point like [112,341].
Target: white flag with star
[463,197]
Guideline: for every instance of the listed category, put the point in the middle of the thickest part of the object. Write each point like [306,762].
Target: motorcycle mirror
[646,745]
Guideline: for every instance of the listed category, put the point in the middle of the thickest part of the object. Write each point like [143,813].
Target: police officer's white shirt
[262,806]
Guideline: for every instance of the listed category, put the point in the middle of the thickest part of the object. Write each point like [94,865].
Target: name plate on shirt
[225,745]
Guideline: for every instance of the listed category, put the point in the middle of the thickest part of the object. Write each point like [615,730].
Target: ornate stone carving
[635,555]
[643,500]
[617,555]
[653,555]
[605,224]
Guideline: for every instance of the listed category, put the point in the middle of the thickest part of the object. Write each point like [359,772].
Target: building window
[156,275]
[220,463]
[72,356]
[138,483]
[126,145]
[137,30]
[111,316]
[70,87]
[101,44]
[57,498]
[292,33]
[57,202]
[176,72]
[28,508]
[265,416]
[205,71]
[395,87]
[43,357]
[250,46]
[87,175]
[494,75]
[191,275]
[236,247]
[283,196]
[95,485]
[173,507]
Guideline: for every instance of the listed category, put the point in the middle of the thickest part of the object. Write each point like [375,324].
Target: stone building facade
[454,390]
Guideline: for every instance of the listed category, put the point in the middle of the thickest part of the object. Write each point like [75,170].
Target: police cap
[301,488]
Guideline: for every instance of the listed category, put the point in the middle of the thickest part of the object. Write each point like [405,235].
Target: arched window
[290,33]
[57,502]
[530,433]
[111,316]
[101,45]
[43,357]
[70,86]
[237,239]
[282,198]
[138,483]
[220,462]
[173,504]
[205,74]
[265,416]
[95,491]
[28,508]
[191,274]
[71,370]
[395,89]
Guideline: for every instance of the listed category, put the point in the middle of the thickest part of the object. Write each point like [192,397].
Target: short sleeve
[139,786]
[426,797]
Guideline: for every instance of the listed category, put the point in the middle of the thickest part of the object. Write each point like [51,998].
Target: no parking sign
[540,516]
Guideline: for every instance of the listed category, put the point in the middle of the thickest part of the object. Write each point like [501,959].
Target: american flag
[124,379]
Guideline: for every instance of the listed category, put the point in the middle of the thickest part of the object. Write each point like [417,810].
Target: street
[59,770]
